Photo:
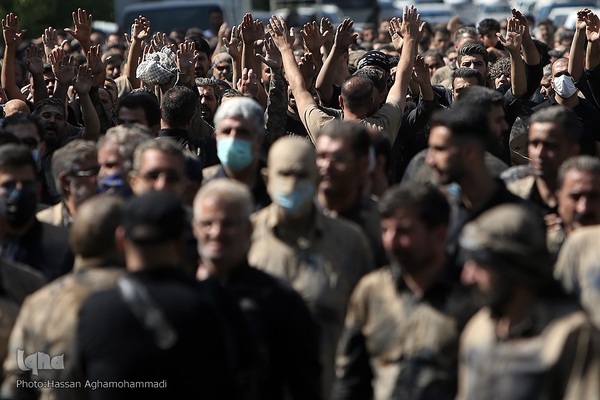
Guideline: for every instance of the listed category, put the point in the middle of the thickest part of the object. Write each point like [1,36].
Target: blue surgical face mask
[234,153]
[294,201]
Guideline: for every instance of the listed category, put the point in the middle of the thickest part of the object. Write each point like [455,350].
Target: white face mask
[564,86]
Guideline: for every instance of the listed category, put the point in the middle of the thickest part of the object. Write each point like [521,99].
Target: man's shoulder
[213,172]
[52,215]
[521,186]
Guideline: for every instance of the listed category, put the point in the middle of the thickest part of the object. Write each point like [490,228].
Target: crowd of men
[401,211]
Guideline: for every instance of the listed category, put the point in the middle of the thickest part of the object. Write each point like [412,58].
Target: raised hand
[344,36]
[592,30]
[186,57]
[273,59]
[313,38]
[94,60]
[140,29]
[82,22]
[420,73]
[50,40]
[308,67]
[411,26]
[10,30]
[33,60]
[248,83]
[251,30]
[279,33]
[159,40]
[62,66]
[83,81]
[234,44]
[514,35]
[327,30]
[522,20]
[394,31]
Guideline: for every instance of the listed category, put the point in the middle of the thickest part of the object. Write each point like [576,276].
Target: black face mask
[20,207]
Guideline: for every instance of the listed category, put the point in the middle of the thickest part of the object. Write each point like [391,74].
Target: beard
[497,298]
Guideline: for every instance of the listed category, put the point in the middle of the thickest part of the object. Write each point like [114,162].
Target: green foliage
[36,15]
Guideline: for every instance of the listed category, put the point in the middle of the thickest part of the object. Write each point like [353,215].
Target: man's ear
[265,174]
[120,238]
[341,102]
[64,180]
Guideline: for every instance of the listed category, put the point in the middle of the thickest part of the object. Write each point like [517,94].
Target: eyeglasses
[86,173]
[226,224]
[337,158]
[171,176]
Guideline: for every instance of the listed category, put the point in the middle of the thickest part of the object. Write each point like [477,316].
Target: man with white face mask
[565,94]
[240,132]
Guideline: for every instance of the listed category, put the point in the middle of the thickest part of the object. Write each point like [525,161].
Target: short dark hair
[500,67]
[470,49]
[16,156]
[22,118]
[178,106]
[357,91]
[376,77]
[142,99]
[488,25]
[563,117]
[50,102]
[467,73]
[583,163]
[468,121]
[356,133]
[432,207]
[482,96]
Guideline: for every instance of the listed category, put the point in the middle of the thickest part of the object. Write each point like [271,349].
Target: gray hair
[242,108]
[167,146]
[67,159]
[226,191]
[126,137]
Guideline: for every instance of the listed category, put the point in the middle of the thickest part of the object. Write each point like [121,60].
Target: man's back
[183,355]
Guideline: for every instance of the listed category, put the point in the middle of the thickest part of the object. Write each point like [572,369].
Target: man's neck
[246,176]
[478,187]
[290,228]
[337,202]
[22,230]
[547,189]
[570,103]
[515,311]
[426,276]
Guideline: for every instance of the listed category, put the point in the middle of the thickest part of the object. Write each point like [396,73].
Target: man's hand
[50,40]
[10,30]
[159,40]
[83,81]
[140,29]
[186,58]
[83,27]
[420,73]
[279,33]
[62,66]
[251,30]
[514,36]
[394,31]
[273,59]
[33,60]
[592,30]
[411,26]
[522,20]
[248,83]
[234,45]
[308,67]
[344,36]
[313,38]
[94,60]
[327,30]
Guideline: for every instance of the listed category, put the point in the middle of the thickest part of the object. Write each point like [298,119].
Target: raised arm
[82,85]
[140,30]
[314,39]
[94,62]
[411,30]
[512,43]
[234,48]
[64,71]
[12,37]
[283,40]
[252,31]
[592,58]
[577,53]
[344,37]
[276,112]
[35,65]
[531,55]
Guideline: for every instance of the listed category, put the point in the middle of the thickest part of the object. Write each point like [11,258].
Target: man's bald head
[292,153]
[15,106]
